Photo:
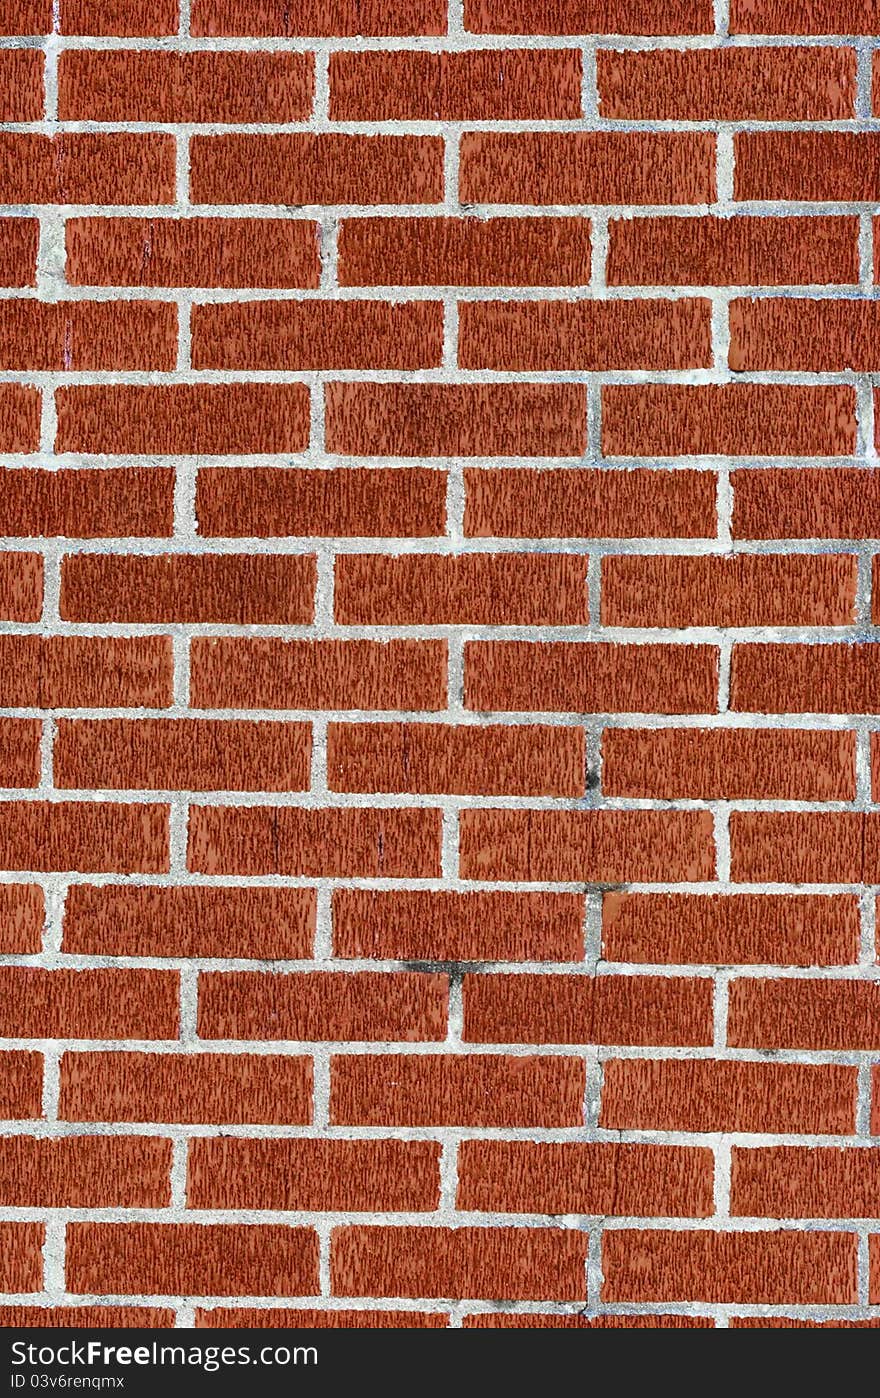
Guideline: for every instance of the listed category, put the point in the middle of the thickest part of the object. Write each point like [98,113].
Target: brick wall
[439,766]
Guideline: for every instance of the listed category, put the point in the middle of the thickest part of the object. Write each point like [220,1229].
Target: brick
[731,590]
[85,1172]
[207,1088]
[796,333]
[19,417]
[720,930]
[21,1259]
[874,1284]
[497,760]
[587,167]
[85,836]
[464,251]
[782,1323]
[183,419]
[587,846]
[525,1177]
[809,1014]
[505,1320]
[116,17]
[875,1101]
[20,751]
[79,1317]
[21,586]
[538,1264]
[21,85]
[593,677]
[122,920]
[456,419]
[370,18]
[816,678]
[547,1009]
[21,1086]
[314,1176]
[258,673]
[536,336]
[589,16]
[133,501]
[709,1095]
[418,589]
[21,918]
[85,672]
[333,843]
[565,504]
[233,589]
[192,1259]
[455,1090]
[774,1268]
[729,764]
[193,754]
[354,503]
[144,85]
[477,85]
[315,1005]
[838,503]
[446,926]
[87,168]
[75,335]
[805,1182]
[805,847]
[822,166]
[246,1317]
[740,251]
[739,419]
[305,168]
[318,335]
[805,17]
[25,16]
[19,238]
[94,1004]
[734,84]
[225,252]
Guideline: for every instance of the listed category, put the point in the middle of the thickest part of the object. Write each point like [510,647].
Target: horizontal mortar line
[438,207]
[381,125]
[387,632]
[433,546]
[198,879]
[463,42]
[391,293]
[49,379]
[322,460]
[254,1216]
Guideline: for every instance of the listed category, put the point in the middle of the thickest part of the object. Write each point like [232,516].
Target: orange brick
[19,238]
[318,335]
[94,1004]
[21,1259]
[589,16]
[79,1317]
[86,168]
[338,503]
[19,416]
[305,168]
[85,672]
[314,1005]
[807,1014]
[805,1182]
[825,166]
[21,1086]
[20,740]
[464,251]
[806,678]
[802,17]
[85,1172]
[796,333]
[479,85]
[836,503]
[135,502]
[572,504]
[86,836]
[21,586]
[805,847]
[73,335]
[739,251]
[21,918]
[875,1101]
[25,16]
[116,17]
[247,1317]
[21,85]
[370,18]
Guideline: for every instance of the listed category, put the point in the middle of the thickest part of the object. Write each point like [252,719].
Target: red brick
[825,166]
[874,1286]
[595,335]
[318,1005]
[193,754]
[21,586]
[479,85]
[85,672]
[718,930]
[84,1172]
[804,17]
[95,1004]
[836,503]
[21,1086]
[86,168]
[547,1009]
[808,1014]
[740,251]
[506,1320]
[875,1101]
[796,333]
[502,589]
[589,16]
[235,589]
[729,764]
[19,416]
[131,85]
[598,677]
[19,238]
[456,1090]
[354,503]
[79,1317]
[782,1323]
[805,1182]
[281,1319]
[74,335]
[227,252]
[446,926]
[314,1175]
[806,678]
[86,836]
[464,251]
[122,920]
[262,673]
[118,18]
[20,740]
[318,335]
[456,419]
[587,167]
[497,760]
[739,419]
[775,1268]
[183,419]
[566,504]
[308,168]
[731,590]
[192,1259]
[21,1259]
[524,1177]
[207,1088]
[710,1095]
[21,85]
[587,846]
[134,502]
[333,843]
[805,847]
[733,84]
[370,18]
[25,16]
[21,919]
[522,1264]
